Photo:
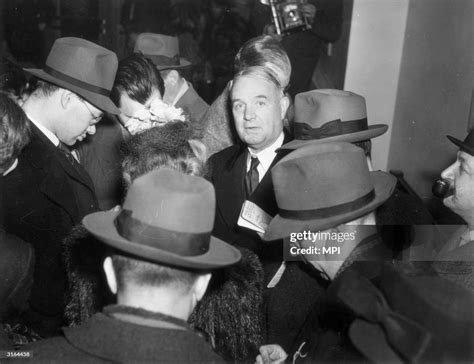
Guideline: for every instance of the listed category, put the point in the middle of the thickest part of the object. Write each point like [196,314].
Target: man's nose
[91,130]
[448,173]
[249,113]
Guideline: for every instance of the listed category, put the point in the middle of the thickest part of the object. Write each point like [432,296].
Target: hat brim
[280,227]
[100,101]
[220,254]
[463,146]
[372,132]
[183,63]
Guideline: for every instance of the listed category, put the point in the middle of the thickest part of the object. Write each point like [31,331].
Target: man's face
[258,107]
[79,122]
[130,108]
[461,177]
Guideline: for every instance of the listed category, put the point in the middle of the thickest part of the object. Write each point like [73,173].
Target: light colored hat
[167,218]
[83,67]
[162,50]
[329,115]
[320,186]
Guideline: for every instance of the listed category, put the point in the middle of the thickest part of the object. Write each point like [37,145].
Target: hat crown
[171,200]
[317,107]
[157,44]
[327,175]
[84,61]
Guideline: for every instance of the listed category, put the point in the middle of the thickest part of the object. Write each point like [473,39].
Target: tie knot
[63,147]
[254,162]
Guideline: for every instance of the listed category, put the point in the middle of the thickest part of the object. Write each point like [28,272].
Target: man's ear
[110,274]
[66,98]
[284,104]
[200,286]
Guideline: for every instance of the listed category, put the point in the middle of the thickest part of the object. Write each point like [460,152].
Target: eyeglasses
[94,119]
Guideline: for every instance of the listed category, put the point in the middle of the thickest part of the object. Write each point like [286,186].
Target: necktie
[252,178]
[67,152]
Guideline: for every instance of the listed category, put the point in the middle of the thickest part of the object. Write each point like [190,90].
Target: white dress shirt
[265,157]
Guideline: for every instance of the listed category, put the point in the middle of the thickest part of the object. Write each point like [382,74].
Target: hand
[271,354]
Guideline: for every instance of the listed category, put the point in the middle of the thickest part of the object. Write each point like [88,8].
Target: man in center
[240,173]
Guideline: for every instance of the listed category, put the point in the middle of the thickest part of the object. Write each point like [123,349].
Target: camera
[288,16]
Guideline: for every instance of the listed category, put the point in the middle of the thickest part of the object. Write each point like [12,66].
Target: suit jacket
[41,200]
[193,105]
[288,303]
[126,335]
[101,157]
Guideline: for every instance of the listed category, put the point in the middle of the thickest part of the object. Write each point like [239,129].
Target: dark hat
[323,116]
[162,50]
[408,318]
[167,218]
[320,186]
[83,67]
[467,145]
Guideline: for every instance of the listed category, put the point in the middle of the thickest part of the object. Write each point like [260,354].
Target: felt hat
[319,186]
[467,145]
[162,50]
[167,218]
[82,67]
[408,317]
[329,115]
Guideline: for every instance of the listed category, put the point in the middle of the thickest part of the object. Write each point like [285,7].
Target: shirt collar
[12,167]
[267,155]
[48,133]
[181,92]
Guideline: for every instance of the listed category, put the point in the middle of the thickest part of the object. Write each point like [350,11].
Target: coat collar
[118,333]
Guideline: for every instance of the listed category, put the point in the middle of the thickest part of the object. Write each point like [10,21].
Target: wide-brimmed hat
[82,67]
[162,50]
[323,116]
[467,145]
[407,317]
[167,218]
[319,186]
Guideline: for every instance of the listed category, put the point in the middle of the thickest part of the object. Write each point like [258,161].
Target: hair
[135,271]
[261,72]
[40,87]
[261,51]
[366,145]
[171,146]
[14,130]
[12,78]
[138,77]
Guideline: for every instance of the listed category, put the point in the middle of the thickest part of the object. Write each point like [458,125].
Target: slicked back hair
[138,77]
[262,51]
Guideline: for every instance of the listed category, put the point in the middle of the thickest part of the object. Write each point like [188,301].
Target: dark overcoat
[126,335]
[40,202]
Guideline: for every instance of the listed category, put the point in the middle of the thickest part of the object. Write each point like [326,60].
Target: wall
[435,88]
[373,63]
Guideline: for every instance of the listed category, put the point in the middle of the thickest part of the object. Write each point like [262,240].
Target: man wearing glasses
[49,192]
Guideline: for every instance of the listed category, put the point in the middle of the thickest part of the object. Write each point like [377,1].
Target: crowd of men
[122,240]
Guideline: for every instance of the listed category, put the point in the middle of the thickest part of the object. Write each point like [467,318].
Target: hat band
[325,212]
[164,60]
[75,82]
[332,128]
[184,244]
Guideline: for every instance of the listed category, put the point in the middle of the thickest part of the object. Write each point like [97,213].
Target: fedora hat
[162,50]
[82,67]
[329,115]
[407,317]
[167,218]
[467,145]
[319,186]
